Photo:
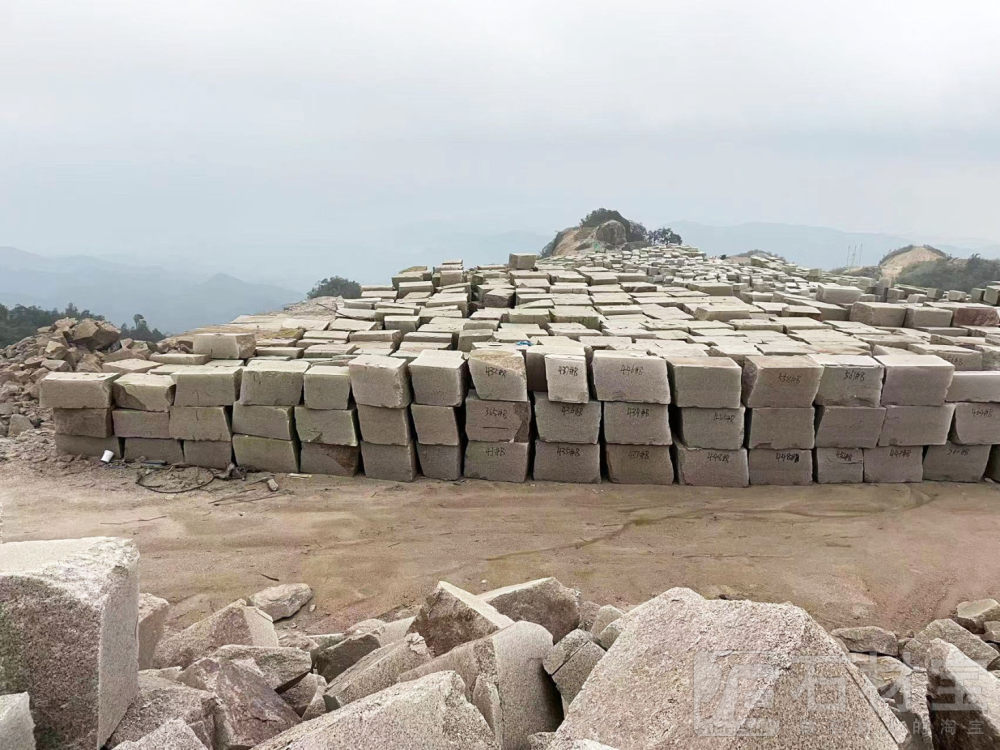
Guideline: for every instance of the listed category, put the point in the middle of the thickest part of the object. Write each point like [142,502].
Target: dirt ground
[892,555]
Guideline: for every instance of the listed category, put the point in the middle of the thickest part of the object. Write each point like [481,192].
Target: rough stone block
[225,345]
[849,426]
[849,380]
[709,467]
[95,423]
[965,700]
[68,614]
[428,713]
[211,454]
[80,445]
[200,423]
[266,454]
[498,375]
[780,381]
[567,462]
[636,423]
[377,670]
[497,421]
[152,618]
[915,651]
[394,462]
[16,725]
[273,383]
[981,387]
[788,467]
[282,601]
[380,381]
[264,421]
[915,379]
[160,700]
[327,387]
[705,382]
[154,449]
[639,464]
[916,425]
[560,422]
[77,390]
[839,465]
[720,429]
[897,464]
[504,680]
[976,424]
[436,425]
[679,667]
[497,462]
[144,392]
[130,423]
[868,640]
[544,601]
[955,463]
[779,428]
[173,735]
[441,461]
[630,376]
[328,426]
[439,378]
[566,378]
[385,426]
[236,624]
[335,460]
[451,616]
[207,386]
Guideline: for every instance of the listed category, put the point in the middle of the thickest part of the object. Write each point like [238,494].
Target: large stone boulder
[431,712]
[280,666]
[504,679]
[964,700]
[451,617]
[377,670]
[249,711]
[173,735]
[868,640]
[68,615]
[692,673]
[915,650]
[544,601]
[17,730]
[159,700]
[611,232]
[975,614]
[235,624]
[283,600]
[342,652]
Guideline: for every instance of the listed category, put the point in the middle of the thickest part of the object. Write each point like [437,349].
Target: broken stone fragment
[964,700]
[304,693]
[868,640]
[544,601]
[282,601]
[152,618]
[605,616]
[991,631]
[68,614]
[280,666]
[331,660]
[973,615]
[451,616]
[569,678]
[249,711]
[431,712]
[235,624]
[159,700]
[560,653]
[588,613]
[376,671]
[504,680]
[677,678]
[173,735]
[915,651]
[16,725]
[884,672]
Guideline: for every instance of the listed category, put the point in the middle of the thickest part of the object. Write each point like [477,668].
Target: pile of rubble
[85,663]
[68,345]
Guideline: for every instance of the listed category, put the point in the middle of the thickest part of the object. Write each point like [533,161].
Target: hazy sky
[291,137]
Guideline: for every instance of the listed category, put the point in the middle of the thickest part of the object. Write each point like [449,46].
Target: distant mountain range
[171,300]
[817,247]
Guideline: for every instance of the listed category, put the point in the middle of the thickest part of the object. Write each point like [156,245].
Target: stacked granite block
[381,387]
[81,404]
[568,422]
[440,381]
[498,416]
[327,422]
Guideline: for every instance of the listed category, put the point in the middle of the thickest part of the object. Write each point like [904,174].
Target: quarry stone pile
[649,365]
[530,665]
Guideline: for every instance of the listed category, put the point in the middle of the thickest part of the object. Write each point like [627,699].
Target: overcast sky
[268,136]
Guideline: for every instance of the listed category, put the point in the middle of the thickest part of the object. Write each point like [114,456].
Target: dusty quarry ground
[892,555]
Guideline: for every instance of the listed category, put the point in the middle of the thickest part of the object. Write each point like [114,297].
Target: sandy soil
[893,555]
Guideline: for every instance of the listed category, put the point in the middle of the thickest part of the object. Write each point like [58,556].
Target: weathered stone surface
[964,700]
[499,375]
[914,652]
[68,614]
[152,617]
[249,711]
[868,640]
[159,700]
[380,381]
[560,653]
[376,671]
[569,678]
[428,713]
[304,694]
[283,600]
[173,735]
[339,655]
[77,390]
[693,673]
[144,392]
[281,666]
[16,725]
[884,672]
[504,679]
[974,615]
[451,616]
[235,624]
[544,601]
[605,616]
